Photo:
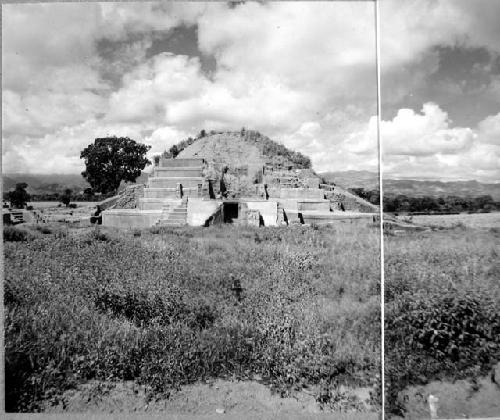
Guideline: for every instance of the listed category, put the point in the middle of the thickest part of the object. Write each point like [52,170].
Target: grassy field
[442,311]
[156,307]
[474,220]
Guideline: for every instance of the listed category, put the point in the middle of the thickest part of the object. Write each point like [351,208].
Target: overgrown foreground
[157,307]
[442,308]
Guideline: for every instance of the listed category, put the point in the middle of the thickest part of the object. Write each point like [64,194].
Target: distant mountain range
[45,184]
[57,183]
[411,187]
[51,183]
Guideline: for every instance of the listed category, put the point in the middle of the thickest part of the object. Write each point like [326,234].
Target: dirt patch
[459,399]
[236,399]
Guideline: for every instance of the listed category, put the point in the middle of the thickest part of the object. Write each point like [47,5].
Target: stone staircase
[174,214]
[172,180]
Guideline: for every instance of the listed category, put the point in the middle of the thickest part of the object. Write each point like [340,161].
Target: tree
[19,197]
[111,160]
[66,197]
[174,151]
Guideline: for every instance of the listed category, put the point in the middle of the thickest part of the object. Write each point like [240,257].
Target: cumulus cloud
[59,151]
[302,73]
[287,86]
[489,130]
[426,145]
[411,27]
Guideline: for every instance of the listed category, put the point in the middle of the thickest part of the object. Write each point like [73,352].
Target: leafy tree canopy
[19,197]
[66,197]
[111,160]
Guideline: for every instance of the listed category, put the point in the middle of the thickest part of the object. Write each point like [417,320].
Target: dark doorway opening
[229,211]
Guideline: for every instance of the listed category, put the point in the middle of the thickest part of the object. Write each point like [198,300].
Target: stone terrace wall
[341,198]
[129,197]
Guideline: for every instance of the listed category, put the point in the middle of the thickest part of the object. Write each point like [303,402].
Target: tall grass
[159,309]
[442,312]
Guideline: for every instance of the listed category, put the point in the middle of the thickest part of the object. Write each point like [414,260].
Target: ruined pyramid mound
[246,163]
[242,157]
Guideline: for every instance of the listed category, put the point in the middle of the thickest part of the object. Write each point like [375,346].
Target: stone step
[173,163]
[174,213]
[159,172]
[168,223]
[176,218]
[173,182]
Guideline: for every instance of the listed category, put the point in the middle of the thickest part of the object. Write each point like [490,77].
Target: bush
[12,234]
[439,333]
[160,311]
[43,229]
[97,235]
[142,308]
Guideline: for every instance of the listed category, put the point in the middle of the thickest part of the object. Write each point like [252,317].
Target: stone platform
[177,193]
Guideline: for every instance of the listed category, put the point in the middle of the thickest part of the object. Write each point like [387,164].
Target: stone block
[130,218]
[268,210]
[199,210]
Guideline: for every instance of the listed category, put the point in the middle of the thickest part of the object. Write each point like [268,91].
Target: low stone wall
[320,205]
[199,210]
[344,200]
[130,218]
[320,218]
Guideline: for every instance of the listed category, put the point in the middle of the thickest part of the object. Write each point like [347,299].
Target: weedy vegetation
[157,308]
[442,308]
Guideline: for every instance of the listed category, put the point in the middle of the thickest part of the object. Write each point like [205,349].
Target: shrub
[43,229]
[142,308]
[97,235]
[12,234]
[439,333]
[160,311]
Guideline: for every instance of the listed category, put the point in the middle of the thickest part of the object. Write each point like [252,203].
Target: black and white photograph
[176,240]
[251,209]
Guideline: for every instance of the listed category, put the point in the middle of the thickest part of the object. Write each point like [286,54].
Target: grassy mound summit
[241,158]
[239,148]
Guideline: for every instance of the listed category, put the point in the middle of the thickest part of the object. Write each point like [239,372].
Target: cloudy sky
[301,73]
